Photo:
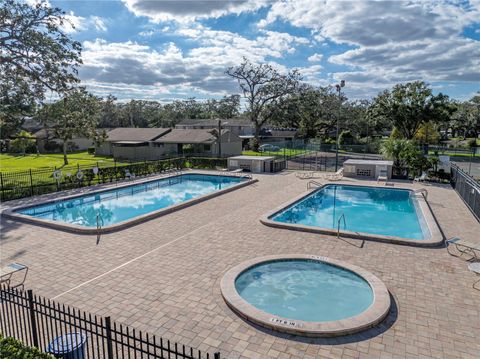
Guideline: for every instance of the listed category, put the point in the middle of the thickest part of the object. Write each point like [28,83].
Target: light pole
[339,90]
[220,137]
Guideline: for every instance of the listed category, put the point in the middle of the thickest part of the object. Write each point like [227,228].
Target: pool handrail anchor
[422,191]
[313,183]
[338,224]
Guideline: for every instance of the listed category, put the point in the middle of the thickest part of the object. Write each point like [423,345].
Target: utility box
[255,164]
[368,169]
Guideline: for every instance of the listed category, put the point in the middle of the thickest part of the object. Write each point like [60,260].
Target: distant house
[138,144]
[201,142]
[237,126]
[132,143]
[278,134]
[47,143]
[243,128]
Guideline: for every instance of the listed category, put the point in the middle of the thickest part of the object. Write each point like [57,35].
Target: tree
[427,133]
[23,141]
[466,117]
[401,151]
[408,106]
[262,85]
[76,114]
[37,57]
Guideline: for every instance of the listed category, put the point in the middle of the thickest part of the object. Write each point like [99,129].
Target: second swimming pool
[371,210]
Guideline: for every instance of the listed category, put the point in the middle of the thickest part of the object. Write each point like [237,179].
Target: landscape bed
[116,208]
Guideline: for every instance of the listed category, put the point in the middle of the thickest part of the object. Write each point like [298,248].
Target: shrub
[254,144]
[472,143]
[24,143]
[91,150]
[347,138]
[52,146]
[14,349]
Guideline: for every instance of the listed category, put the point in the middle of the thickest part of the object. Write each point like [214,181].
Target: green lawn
[454,154]
[14,162]
[282,152]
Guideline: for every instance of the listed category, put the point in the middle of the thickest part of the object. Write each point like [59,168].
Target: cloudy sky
[181,48]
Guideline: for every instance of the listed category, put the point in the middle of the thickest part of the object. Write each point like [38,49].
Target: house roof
[278,132]
[135,134]
[178,135]
[225,122]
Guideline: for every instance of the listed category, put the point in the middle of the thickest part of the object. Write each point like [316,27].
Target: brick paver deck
[163,276]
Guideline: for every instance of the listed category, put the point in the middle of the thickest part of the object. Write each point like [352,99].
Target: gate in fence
[37,322]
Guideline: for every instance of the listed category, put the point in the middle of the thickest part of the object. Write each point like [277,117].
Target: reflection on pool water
[307,290]
[379,211]
[118,205]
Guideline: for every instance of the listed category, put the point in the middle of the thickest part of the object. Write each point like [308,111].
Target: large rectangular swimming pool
[126,203]
[370,210]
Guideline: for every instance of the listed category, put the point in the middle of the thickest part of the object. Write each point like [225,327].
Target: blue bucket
[68,346]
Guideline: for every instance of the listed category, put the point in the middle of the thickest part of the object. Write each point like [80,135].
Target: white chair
[382,176]
[475,268]
[423,177]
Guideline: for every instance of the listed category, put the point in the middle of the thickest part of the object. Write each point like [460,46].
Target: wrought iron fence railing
[20,184]
[37,321]
[467,188]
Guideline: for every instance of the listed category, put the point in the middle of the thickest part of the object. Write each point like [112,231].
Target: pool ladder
[421,191]
[312,184]
[99,220]
[338,224]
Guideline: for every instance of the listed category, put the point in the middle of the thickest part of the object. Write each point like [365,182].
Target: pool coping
[77,229]
[369,318]
[436,236]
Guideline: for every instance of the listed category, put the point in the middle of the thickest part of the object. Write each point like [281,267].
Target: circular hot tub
[306,295]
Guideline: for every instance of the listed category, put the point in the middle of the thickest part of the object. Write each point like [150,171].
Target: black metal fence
[20,184]
[37,321]
[467,188]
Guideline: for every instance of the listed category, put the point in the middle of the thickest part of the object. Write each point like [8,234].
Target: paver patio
[163,276]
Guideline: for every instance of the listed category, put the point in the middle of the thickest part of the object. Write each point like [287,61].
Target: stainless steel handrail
[338,224]
[422,191]
[99,218]
[313,183]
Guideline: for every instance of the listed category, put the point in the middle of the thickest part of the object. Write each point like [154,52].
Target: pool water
[119,205]
[379,211]
[307,290]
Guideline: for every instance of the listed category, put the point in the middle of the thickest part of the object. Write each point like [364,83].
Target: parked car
[268,148]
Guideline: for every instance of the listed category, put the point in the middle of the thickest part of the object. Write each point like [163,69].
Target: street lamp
[339,90]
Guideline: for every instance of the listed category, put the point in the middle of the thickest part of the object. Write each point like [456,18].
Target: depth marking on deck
[131,261]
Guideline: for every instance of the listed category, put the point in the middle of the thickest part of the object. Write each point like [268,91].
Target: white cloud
[99,23]
[190,10]
[200,69]
[315,58]
[391,41]
[76,23]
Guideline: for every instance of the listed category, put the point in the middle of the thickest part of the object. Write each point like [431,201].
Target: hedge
[14,349]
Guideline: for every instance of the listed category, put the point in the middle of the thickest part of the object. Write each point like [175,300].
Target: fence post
[33,319]
[31,182]
[108,328]
[1,184]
